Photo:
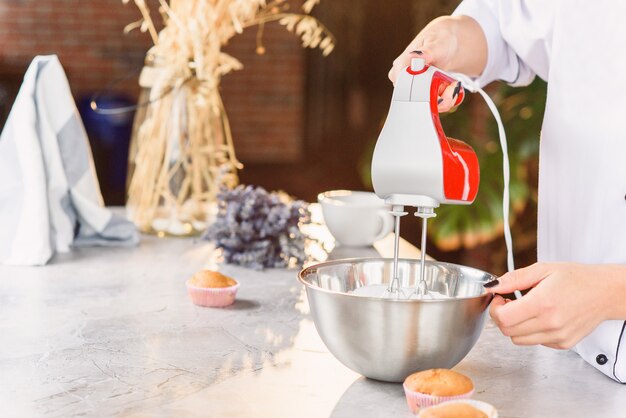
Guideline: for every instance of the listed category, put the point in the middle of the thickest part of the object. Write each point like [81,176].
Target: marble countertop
[111,332]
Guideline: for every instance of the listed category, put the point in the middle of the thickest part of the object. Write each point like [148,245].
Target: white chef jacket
[577,46]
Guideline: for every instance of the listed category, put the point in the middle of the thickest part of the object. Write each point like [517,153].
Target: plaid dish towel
[49,194]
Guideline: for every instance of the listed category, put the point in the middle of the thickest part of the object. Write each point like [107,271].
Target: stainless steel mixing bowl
[388,339]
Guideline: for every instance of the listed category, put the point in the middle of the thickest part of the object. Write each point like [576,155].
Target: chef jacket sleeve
[605,349]
[519,36]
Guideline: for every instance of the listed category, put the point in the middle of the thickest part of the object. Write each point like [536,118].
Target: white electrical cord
[472,86]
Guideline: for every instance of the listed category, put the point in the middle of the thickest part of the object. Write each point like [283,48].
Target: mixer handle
[428,76]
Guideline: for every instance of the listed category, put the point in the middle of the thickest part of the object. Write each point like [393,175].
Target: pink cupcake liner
[417,400]
[213,297]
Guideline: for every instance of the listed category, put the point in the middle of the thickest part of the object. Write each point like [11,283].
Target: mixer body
[414,162]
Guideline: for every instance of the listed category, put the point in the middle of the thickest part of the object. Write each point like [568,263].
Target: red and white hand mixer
[416,164]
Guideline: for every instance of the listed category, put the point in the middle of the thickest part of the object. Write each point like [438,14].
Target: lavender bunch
[257,229]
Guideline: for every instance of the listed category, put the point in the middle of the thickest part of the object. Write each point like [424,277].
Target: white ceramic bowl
[355,219]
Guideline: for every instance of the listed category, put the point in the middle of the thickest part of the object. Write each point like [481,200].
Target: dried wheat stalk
[185,137]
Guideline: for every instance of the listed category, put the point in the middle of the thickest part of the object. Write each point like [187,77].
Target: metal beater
[394,284]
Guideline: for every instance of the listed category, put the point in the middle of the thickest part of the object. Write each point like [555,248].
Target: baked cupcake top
[454,410]
[439,382]
[210,278]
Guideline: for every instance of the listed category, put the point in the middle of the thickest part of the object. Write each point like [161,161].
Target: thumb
[496,303]
[433,52]
[521,279]
[404,60]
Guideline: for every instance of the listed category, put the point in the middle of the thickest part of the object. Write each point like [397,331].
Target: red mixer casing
[414,162]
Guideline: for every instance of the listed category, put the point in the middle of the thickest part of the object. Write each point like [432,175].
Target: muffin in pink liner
[471,409]
[212,289]
[434,386]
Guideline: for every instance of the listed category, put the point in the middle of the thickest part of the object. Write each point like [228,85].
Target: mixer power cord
[473,87]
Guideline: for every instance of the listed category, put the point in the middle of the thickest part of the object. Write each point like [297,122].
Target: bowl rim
[309,269]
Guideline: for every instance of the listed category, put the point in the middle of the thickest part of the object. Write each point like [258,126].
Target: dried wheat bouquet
[184,148]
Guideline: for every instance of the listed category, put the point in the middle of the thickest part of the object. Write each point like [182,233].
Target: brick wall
[264,101]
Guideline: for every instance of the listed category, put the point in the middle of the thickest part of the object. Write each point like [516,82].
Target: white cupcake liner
[418,400]
[213,297]
[485,407]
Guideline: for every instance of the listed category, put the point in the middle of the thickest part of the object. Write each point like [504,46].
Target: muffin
[431,387]
[212,288]
[212,279]
[464,408]
[454,410]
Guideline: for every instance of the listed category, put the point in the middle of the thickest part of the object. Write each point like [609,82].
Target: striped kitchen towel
[49,194]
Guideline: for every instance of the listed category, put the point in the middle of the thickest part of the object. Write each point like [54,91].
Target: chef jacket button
[601,359]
